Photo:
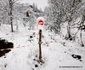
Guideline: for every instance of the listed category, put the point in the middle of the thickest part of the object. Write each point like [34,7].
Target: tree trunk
[81,24]
[81,38]
[10,14]
[68,32]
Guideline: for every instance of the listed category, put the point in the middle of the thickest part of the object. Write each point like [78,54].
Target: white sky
[40,3]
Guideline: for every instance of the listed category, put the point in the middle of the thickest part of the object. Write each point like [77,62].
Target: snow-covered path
[56,52]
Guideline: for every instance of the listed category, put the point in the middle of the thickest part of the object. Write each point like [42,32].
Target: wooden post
[40,42]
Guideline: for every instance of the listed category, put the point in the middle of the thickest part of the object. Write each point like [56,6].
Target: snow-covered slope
[56,52]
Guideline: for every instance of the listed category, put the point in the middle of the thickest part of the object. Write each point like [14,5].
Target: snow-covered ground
[56,51]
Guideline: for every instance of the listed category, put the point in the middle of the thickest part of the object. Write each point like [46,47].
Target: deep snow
[56,51]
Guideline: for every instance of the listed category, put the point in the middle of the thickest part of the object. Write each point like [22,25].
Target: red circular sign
[40,22]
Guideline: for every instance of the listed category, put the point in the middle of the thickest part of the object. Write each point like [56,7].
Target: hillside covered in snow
[61,38]
[57,53]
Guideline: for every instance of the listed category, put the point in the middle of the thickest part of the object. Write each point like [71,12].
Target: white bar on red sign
[40,27]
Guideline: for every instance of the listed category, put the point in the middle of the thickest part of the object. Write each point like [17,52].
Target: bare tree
[56,12]
[7,11]
[11,4]
[71,9]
